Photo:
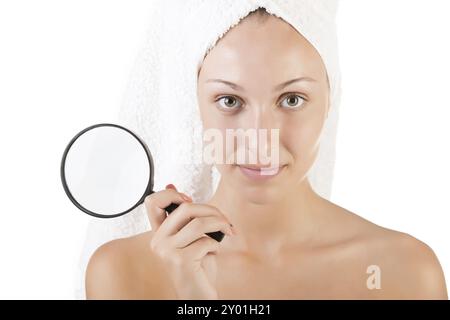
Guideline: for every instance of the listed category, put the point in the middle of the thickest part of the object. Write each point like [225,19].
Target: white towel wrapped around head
[161,106]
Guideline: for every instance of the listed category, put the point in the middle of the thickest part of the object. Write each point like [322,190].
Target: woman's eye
[229,102]
[293,101]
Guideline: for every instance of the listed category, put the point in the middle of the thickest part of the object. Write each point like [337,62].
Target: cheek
[301,138]
[211,118]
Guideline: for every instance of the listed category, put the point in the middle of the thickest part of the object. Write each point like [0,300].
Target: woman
[282,240]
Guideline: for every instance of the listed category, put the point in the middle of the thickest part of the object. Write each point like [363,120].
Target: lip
[259,173]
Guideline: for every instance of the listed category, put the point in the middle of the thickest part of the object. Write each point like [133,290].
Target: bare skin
[288,242]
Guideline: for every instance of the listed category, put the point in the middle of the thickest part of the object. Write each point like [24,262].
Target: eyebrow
[276,88]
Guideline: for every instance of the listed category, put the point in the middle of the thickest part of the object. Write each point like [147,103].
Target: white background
[64,66]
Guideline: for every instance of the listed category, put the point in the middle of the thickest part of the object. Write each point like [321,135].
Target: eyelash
[286,95]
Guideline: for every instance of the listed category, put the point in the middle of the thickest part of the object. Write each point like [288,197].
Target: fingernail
[171,186]
[186,197]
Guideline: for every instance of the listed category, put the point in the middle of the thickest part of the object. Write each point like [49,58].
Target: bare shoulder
[125,269]
[413,270]
[408,267]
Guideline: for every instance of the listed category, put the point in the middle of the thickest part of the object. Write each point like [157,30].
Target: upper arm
[126,269]
[430,276]
[106,273]
[415,271]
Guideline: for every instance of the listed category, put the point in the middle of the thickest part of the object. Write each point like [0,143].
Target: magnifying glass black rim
[148,190]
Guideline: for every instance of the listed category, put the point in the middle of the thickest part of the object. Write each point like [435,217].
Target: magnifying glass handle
[217,235]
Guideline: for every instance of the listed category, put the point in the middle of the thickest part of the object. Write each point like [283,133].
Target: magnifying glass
[107,171]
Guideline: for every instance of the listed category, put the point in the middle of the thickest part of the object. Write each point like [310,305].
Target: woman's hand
[180,241]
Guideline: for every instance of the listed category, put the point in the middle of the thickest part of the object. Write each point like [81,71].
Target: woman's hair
[261,14]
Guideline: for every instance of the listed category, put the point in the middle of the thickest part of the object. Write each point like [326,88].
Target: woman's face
[247,81]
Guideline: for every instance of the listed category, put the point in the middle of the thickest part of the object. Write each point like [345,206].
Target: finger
[197,227]
[185,213]
[156,202]
[201,247]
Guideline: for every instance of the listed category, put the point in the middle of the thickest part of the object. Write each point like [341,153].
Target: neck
[265,228]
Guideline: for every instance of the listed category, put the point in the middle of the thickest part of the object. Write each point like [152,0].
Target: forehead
[272,48]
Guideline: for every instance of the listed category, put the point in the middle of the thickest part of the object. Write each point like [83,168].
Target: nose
[263,118]
[265,123]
